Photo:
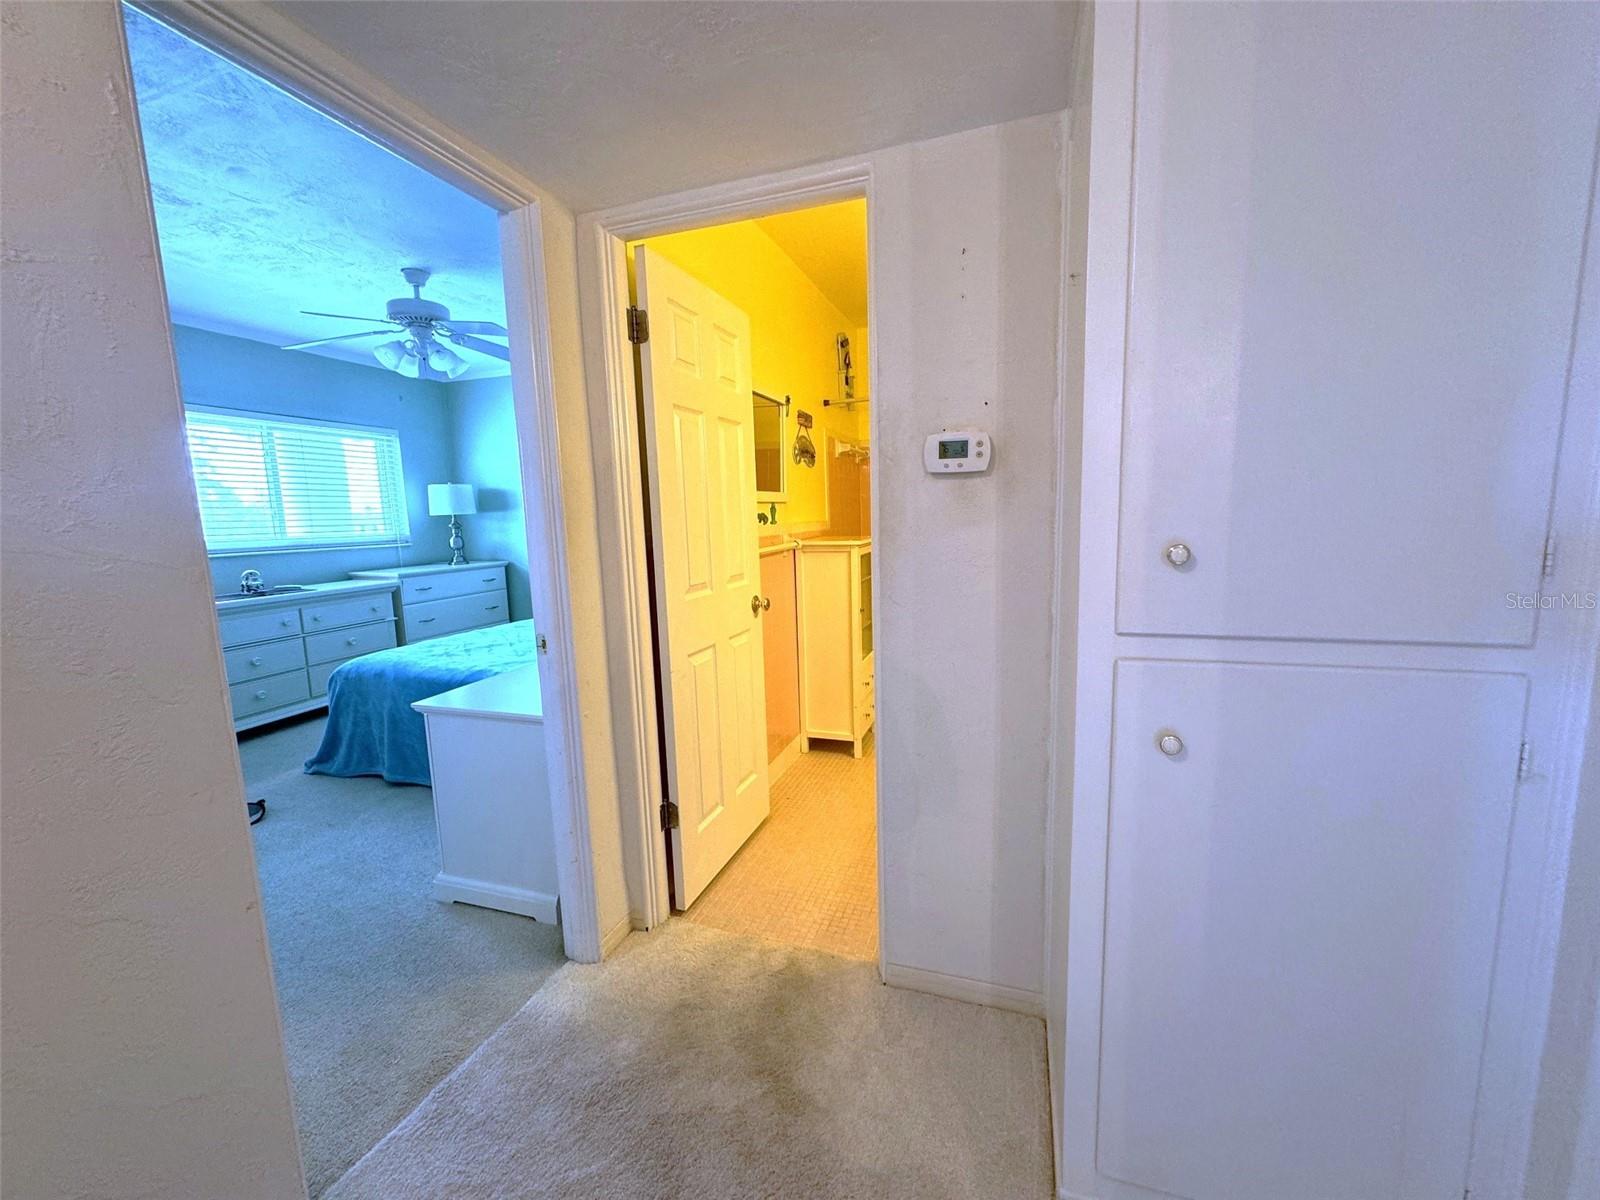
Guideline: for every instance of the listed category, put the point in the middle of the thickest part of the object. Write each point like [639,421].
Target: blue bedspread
[372,729]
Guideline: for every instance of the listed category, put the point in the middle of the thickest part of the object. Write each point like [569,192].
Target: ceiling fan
[419,352]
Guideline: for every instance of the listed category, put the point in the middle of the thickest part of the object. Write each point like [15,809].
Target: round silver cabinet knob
[1177,554]
[1170,744]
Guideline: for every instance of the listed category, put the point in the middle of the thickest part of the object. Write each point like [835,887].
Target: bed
[372,729]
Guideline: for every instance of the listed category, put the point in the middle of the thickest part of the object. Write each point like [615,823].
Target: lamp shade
[451,499]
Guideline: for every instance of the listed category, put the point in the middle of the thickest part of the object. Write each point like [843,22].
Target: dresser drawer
[352,611]
[262,695]
[241,628]
[417,589]
[349,642]
[268,658]
[439,617]
[319,673]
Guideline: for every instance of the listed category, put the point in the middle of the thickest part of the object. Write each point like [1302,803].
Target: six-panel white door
[695,369]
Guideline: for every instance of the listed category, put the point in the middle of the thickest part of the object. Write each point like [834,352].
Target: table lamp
[452,500]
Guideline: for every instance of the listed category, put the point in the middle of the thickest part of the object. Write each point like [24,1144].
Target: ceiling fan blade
[343,337]
[488,327]
[478,344]
[306,312]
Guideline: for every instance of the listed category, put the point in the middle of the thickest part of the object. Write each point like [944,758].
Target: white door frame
[1560,663]
[273,47]
[603,289]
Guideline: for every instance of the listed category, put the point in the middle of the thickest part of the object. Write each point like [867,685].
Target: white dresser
[280,650]
[836,679]
[436,598]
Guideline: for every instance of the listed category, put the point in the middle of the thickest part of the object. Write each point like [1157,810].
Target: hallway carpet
[708,1064]
[383,989]
[809,876]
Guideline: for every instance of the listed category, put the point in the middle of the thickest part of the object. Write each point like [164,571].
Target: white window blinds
[273,483]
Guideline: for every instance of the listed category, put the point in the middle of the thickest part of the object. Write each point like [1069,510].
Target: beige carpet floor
[809,875]
[697,1063]
[384,991]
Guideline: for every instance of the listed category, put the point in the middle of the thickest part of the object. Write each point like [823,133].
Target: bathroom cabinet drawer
[259,626]
[275,691]
[349,642]
[357,609]
[460,581]
[267,658]
[439,617]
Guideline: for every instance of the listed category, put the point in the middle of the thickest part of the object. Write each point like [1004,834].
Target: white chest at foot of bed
[490,796]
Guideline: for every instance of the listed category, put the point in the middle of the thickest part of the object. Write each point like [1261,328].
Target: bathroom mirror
[771,440]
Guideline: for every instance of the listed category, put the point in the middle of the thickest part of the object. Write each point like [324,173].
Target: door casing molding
[275,48]
[603,289]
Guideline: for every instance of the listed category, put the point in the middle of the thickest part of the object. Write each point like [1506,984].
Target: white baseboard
[541,906]
[785,759]
[614,935]
[958,987]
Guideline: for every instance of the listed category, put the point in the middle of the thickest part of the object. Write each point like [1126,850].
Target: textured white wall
[966,262]
[141,1053]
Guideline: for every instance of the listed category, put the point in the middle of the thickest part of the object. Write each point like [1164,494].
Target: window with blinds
[275,483]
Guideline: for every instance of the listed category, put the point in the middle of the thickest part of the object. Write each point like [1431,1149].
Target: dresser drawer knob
[255,662]
[286,622]
[314,617]
[1177,554]
[491,608]
[262,694]
[487,579]
[428,588]
[350,641]
[425,620]
[1170,744]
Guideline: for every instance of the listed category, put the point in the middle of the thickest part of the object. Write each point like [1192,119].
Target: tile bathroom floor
[809,876]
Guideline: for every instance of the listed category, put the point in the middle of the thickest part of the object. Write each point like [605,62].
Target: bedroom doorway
[754,409]
[367,479]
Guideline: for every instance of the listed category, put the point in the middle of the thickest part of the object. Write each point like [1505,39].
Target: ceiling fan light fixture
[392,355]
[445,361]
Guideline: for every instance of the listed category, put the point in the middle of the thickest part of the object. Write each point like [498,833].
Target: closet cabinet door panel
[1301,915]
[1352,290]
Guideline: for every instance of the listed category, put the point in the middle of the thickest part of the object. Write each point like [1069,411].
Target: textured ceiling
[604,103]
[829,244]
[265,207]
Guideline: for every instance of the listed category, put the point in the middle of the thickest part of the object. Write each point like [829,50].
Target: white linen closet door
[699,431]
[1356,244]
[1300,927]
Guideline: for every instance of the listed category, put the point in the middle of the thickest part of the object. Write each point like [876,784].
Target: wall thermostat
[957,450]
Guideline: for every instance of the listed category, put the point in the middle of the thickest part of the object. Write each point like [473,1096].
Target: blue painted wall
[228,372]
[485,436]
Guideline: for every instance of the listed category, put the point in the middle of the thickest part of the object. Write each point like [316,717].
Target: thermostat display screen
[957,452]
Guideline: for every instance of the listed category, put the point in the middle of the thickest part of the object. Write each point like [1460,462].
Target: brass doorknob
[758,605]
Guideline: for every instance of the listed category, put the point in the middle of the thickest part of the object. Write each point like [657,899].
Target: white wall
[966,263]
[140,1050]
